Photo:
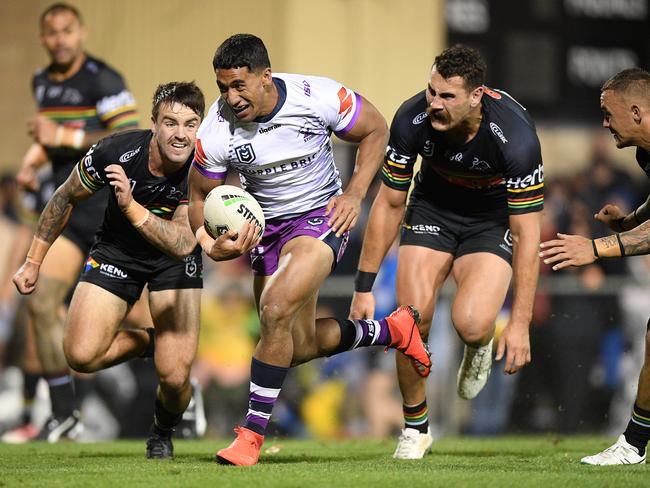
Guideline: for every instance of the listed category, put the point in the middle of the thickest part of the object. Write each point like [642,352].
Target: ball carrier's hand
[231,244]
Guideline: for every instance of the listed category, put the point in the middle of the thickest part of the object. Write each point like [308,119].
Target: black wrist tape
[363,281]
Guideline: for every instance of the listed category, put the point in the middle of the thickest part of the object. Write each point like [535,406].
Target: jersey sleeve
[525,178]
[115,104]
[401,153]
[92,167]
[210,138]
[338,105]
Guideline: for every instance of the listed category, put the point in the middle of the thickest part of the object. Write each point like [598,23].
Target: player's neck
[270,101]
[60,73]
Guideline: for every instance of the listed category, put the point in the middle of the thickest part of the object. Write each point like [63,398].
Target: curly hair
[463,61]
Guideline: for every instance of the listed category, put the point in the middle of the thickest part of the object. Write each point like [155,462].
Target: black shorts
[85,219]
[428,225]
[126,277]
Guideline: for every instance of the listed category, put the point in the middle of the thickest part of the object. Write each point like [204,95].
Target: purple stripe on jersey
[262,399]
[354,118]
[209,174]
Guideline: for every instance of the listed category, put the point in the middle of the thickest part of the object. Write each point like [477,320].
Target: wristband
[620,244]
[58,136]
[593,244]
[78,138]
[37,251]
[363,281]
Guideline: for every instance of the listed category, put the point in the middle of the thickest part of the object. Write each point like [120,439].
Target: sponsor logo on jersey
[315,221]
[71,96]
[174,194]
[114,102]
[346,101]
[264,130]
[458,157]
[90,264]
[419,118]
[535,178]
[396,157]
[494,94]
[307,88]
[498,132]
[128,155]
[429,229]
[112,271]
[245,153]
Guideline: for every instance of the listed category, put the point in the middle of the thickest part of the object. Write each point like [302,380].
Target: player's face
[449,102]
[175,131]
[62,36]
[618,117]
[245,91]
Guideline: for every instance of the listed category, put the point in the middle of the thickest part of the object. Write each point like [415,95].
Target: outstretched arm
[174,237]
[50,225]
[371,132]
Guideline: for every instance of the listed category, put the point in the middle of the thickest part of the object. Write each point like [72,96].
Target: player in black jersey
[145,239]
[474,210]
[80,100]
[625,102]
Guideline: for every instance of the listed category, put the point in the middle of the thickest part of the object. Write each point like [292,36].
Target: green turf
[521,462]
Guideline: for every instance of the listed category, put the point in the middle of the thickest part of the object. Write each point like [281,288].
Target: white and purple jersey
[284,159]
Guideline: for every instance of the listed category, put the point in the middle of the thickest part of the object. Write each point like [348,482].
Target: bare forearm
[369,159]
[381,231]
[55,215]
[173,237]
[525,265]
[635,241]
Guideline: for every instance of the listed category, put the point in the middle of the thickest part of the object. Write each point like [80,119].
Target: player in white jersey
[275,130]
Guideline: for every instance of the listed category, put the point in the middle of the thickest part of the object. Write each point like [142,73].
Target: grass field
[522,462]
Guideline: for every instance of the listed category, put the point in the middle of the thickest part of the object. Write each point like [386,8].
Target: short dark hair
[183,92]
[463,61]
[57,8]
[631,80]
[241,51]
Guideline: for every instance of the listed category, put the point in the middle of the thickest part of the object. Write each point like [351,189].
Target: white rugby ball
[227,207]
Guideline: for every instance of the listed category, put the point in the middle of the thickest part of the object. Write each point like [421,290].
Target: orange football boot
[244,450]
[405,337]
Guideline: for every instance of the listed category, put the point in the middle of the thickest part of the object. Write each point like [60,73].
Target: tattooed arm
[50,225]
[173,237]
[568,250]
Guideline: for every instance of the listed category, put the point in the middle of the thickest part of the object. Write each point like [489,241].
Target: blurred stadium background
[552,55]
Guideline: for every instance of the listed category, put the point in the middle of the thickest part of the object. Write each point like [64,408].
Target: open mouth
[239,111]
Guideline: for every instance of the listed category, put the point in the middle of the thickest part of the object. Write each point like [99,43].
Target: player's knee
[79,358]
[472,330]
[175,380]
[275,316]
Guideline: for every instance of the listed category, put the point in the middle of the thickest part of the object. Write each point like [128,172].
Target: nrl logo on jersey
[245,153]
[498,132]
[128,155]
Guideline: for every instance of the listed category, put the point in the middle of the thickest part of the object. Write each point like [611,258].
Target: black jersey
[161,195]
[499,171]
[94,98]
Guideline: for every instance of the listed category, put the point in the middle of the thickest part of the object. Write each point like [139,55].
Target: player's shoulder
[123,146]
[96,66]
[511,126]
[312,88]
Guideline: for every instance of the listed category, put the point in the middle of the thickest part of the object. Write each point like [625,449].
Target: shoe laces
[406,442]
[477,361]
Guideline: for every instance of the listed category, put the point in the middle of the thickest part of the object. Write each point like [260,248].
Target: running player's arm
[174,237]
[50,225]
[230,245]
[371,132]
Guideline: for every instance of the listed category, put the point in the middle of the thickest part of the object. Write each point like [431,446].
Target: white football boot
[474,371]
[412,444]
[620,453]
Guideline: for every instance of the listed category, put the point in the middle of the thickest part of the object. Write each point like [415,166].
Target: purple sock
[266,383]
